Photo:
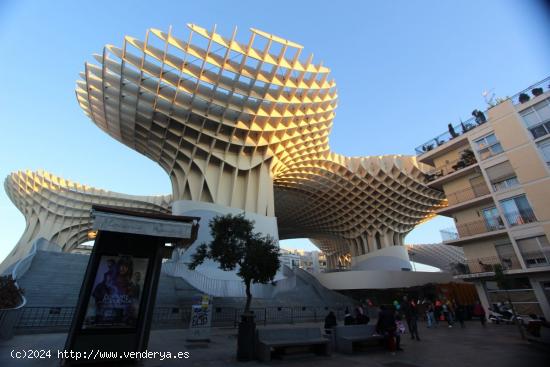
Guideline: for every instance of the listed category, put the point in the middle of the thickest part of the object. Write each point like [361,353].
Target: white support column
[541,296]
[481,293]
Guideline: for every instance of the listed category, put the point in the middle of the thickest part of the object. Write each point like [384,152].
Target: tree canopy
[235,245]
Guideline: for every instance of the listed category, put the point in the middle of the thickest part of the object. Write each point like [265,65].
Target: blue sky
[404,69]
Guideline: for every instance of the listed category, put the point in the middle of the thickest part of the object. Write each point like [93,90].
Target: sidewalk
[474,346]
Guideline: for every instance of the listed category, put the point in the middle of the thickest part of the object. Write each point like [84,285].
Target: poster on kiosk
[116,300]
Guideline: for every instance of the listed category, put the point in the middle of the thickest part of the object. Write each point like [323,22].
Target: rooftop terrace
[470,124]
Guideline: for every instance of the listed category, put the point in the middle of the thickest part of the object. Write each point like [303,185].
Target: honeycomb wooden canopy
[246,124]
[58,210]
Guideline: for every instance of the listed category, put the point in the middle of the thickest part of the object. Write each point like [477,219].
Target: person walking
[430,315]
[460,313]
[386,326]
[479,311]
[330,322]
[447,312]
[438,309]
[410,310]
[399,330]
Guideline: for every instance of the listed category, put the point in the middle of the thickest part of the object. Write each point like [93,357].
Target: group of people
[390,322]
[444,311]
[361,318]
[395,319]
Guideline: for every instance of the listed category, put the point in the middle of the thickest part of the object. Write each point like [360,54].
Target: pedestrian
[330,322]
[348,319]
[460,313]
[447,313]
[479,311]
[360,317]
[438,311]
[430,315]
[410,310]
[386,326]
[399,330]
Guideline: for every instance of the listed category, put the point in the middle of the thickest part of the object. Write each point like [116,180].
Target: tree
[10,294]
[235,245]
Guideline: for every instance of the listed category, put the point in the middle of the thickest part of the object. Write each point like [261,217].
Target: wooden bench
[269,340]
[347,336]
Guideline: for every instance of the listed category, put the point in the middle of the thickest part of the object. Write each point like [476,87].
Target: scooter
[505,316]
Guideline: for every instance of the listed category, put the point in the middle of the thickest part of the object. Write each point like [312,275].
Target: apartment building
[494,171]
[312,261]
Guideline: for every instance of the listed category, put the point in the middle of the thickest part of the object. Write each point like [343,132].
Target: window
[544,147]
[505,184]
[488,146]
[537,119]
[492,219]
[535,251]
[506,255]
[502,176]
[517,211]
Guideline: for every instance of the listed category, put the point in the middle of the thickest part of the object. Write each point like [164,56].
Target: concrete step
[55,279]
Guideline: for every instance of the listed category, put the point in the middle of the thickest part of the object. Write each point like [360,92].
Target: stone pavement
[474,346]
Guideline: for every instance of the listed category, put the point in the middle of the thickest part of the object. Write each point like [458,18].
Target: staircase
[54,279]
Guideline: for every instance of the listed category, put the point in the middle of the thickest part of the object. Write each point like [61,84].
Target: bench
[347,336]
[269,340]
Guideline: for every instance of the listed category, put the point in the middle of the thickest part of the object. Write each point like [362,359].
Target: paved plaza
[495,345]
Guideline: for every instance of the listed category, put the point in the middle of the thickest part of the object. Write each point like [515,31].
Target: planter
[523,98]
[536,91]
[246,339]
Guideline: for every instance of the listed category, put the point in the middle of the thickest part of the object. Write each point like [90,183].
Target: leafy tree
[10,294]
[235,245]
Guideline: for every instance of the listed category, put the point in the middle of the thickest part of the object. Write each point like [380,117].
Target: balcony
[467,159]
[467,194]
[486,265]
[535,259]
[463,127]
[520,217]
[473,228]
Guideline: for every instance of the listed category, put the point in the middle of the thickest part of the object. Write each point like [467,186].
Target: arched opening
[378,242]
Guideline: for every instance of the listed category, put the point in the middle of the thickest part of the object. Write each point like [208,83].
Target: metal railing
[449,234]
[486,265]
[534,259]
[479,226]
[448,168]
[225,287]
[463,127]
[58,319]
[520,217]
[471,228]
[530,92]
[469,193]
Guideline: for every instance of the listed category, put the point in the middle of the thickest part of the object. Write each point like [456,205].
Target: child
[399,329]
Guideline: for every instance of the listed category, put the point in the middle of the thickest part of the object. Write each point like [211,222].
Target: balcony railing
[463,127]
[450,167]
[486,265]
[520,217]
[531,91]
[479,226]
[467,194]
[471,229]
[535,259]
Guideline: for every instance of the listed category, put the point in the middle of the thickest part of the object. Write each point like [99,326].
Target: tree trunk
[248,297]
[516,321]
